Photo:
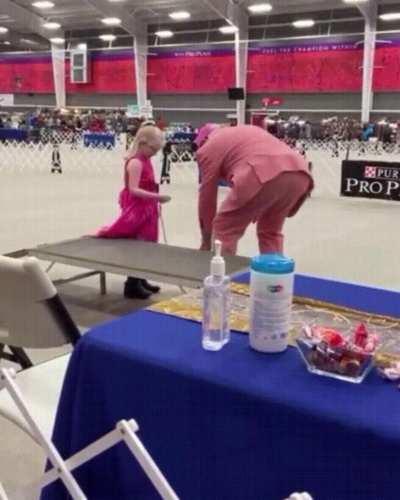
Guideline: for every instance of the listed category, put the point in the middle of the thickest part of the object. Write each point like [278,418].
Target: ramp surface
[164,263]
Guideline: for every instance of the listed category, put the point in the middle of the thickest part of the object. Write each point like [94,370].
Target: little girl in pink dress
[139,200]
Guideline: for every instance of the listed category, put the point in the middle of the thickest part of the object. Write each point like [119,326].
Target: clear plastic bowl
[339,363]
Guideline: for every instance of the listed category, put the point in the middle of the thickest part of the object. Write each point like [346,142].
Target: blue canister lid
[272,263]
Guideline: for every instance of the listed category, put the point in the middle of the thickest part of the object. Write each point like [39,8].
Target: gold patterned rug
[304,312]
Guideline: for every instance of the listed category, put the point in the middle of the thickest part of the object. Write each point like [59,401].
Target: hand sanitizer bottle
[216,304]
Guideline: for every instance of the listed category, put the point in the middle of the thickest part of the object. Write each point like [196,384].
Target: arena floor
[351,240]
[348,239]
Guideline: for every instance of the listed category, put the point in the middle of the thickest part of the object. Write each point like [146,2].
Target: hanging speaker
[79,66]
[236,94]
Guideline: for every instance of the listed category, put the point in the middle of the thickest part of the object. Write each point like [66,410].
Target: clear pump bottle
[216,304]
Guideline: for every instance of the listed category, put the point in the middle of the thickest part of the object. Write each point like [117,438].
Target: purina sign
[371,179]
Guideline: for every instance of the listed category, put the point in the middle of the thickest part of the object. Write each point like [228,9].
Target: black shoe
[149,287]
[134,289]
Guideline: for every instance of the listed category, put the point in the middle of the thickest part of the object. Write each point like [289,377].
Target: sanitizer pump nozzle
[218,266]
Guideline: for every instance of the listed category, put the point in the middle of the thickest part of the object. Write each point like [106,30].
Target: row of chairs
[32,315]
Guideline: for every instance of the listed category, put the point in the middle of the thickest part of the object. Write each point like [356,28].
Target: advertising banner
[371,179]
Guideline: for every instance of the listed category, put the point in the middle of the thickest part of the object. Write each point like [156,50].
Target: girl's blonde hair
[145,135]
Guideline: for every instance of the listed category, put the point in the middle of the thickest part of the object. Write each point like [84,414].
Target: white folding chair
[61,469]
[33,315]
[50,325]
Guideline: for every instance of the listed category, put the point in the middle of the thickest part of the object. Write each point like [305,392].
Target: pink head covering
[204,132]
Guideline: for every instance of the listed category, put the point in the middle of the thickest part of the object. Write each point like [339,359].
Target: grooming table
[154,261]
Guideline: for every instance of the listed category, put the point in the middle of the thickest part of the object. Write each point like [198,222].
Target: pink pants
[269,208]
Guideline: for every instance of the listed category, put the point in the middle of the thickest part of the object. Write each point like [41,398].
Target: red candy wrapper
[332,337]
[365,340]
[361,336]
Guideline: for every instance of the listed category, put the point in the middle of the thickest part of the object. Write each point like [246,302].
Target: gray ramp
[164,263]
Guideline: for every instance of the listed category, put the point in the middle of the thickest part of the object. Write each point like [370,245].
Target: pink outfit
[139,216]
[269,182]
[204,133]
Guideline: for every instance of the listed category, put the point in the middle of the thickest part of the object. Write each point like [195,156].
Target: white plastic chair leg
[7,377]
[3,495]
[145,460]
[124,431]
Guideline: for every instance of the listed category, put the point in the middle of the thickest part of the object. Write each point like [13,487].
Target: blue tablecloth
[235,424]
[13,134]
[96,140]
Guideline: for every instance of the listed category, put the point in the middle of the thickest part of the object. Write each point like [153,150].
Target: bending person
[269,182]
[139,202]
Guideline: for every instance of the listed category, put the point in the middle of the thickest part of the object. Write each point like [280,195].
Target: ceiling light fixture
[179,15]
[43,5]
[108,37]
[304,23]
[164,34]
[355,1]
[260,8]
[57,40]
[111,21]
[390,16]
[228,29]
[3,30]
[51,25]
[82,46]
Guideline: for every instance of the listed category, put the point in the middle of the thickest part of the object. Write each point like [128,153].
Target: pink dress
[139,216]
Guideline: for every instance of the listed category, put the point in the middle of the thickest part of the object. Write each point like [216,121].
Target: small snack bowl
[327,352]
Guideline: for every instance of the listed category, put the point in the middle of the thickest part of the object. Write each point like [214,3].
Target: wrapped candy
[391,372]
[332,352]
[332,337]
[365,340]
[361,336]
[323,334]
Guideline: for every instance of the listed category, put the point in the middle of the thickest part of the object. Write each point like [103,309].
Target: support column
[238,16]
[137,27]
[58,60]
[234,13]
[141,53]
[241,53]
[370,13]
